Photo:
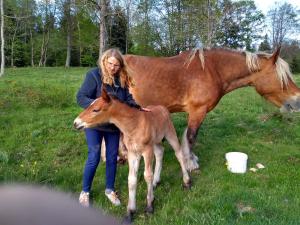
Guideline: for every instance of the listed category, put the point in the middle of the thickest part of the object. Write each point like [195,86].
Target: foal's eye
[96,110]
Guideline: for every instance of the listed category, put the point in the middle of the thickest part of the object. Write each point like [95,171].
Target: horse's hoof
[192,166]
[122,161]
[196,171]
[187,186]
[155,185]
[149,209]
[128,219]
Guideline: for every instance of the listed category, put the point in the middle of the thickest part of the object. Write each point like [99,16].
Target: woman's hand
[145,109]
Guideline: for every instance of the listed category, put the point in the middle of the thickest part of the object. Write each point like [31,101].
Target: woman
[113,75]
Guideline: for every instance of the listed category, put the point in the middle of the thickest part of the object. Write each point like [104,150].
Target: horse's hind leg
[195,119]
[148,175]
[173,140]
[190,158]
[159,153]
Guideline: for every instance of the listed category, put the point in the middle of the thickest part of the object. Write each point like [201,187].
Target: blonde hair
[125,78]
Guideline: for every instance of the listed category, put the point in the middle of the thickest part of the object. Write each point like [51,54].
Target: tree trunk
[68,59]
[46,48]
[79,40]
[2,39]
[128,6]
[42,51]
[102,27]
[209,33]
[32,50]
[46,33]
[12,64]
[68,15]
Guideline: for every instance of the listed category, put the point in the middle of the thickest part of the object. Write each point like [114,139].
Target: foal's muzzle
[79,124]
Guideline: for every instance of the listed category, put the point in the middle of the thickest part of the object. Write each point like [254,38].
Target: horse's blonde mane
[252,60]
[192,55]
[282,67]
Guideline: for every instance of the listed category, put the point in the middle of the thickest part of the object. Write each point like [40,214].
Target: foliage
[283,21]
[118,30]
[39,145]
[240,24]
[290,51]
[43,33]
[264,45]
[295,64]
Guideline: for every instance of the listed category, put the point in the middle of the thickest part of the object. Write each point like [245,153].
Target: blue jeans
[94,138]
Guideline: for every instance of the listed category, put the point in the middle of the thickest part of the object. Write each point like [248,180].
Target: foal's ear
[275,55]
[104,95]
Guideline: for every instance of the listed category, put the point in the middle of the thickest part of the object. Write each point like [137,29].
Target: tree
[284,22]
[240,24]
[47,15]
[69,28]
[295,64]
[2,38]
[143,33]
[264,45]
[103,25]
[118,30]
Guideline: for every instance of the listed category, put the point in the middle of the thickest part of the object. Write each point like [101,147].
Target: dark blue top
[91,89]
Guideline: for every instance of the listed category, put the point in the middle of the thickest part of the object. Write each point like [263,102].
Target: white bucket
[236,162]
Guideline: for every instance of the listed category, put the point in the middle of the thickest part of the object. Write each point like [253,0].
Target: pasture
[39,145]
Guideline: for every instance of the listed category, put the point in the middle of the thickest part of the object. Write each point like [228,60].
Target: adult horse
[195,81]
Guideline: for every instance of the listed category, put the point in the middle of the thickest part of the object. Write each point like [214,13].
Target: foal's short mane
[252,60]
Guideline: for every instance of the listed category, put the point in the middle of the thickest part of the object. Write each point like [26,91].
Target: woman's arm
[130,101]
[86,94]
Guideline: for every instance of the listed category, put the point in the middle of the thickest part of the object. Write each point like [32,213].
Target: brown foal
[143,133]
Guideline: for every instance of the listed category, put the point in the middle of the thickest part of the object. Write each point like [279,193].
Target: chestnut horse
[195,81]
[143,132]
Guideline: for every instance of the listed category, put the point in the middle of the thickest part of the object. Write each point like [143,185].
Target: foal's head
[97,113]
[273,80]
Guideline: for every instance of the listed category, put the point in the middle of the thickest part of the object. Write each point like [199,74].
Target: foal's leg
[159,153]
[148,175]
[133,162]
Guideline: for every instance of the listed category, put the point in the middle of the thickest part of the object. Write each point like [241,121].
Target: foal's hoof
[149,209]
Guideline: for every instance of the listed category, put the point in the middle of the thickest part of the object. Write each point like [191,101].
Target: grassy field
[38,145]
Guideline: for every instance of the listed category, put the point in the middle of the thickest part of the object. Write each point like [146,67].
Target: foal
[143,133]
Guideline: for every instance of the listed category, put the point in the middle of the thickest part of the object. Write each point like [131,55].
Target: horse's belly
[146,95]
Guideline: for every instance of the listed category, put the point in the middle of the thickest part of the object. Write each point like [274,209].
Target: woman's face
[112,65]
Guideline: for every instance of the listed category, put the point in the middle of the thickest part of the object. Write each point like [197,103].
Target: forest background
[41,33]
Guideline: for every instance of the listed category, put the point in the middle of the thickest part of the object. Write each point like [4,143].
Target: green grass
[38,145]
